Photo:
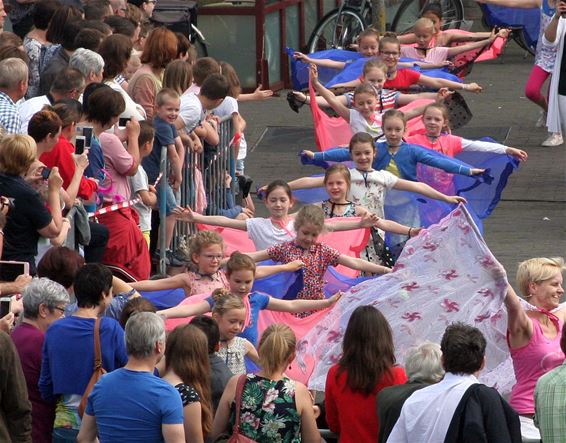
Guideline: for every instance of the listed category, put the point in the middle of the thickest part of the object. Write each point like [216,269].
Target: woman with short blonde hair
[533,333]
[28,219]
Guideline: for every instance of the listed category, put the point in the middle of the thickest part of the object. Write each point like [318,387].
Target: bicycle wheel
[337,30]
[410,11]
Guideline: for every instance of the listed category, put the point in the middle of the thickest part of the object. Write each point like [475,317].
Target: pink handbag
[236,437]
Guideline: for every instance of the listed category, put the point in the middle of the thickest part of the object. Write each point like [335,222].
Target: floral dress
[268,413]
[317,258]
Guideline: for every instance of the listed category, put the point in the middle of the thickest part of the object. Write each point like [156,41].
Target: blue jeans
[170,200]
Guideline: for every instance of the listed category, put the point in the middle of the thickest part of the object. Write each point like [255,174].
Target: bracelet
[409,233]
[464,87]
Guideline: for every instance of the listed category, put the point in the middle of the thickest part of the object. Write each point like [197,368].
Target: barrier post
[163,166]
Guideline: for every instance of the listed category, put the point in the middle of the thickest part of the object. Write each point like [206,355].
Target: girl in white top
[368,187]
[279,227]
[230,313]
[365,116]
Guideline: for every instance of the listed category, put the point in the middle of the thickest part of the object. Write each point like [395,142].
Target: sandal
[294,103]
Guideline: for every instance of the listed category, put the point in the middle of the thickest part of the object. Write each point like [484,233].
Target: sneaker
[174,259]
[553,140]
[245,184]
[541,122]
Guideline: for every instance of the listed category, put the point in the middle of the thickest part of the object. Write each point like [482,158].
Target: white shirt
[132,108]
[229,106]
[191,111]
[138,183]
[368,189]
[427,413]
[483,146]
[358,123]
[264,234]
[28,108]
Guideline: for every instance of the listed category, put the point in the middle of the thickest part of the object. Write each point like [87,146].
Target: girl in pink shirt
[206,250]
[438,138]
[431,56]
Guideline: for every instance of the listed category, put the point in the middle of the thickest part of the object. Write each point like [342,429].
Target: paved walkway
[530,219]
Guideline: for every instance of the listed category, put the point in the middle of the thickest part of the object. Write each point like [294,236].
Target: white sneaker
[541,122]
[553,140]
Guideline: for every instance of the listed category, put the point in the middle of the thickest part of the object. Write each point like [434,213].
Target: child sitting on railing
[167,104]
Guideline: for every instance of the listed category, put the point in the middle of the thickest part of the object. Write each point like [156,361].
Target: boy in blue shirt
[167,103]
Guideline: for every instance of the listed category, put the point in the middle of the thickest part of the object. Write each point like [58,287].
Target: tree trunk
[378,15]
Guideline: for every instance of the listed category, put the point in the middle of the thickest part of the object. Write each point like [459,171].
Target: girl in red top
[62,155]
[403,79]
[365,368]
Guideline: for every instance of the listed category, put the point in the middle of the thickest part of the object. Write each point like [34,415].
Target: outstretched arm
[362,265]
[188,215]
[367,220]
[182,311]
[397,228]
[266,271]
[341,109]
[427,191]
[298,305]
[324,62]
[177,281]
[455,50]
[258,255]
[306,183]
[448,164]
[350,84]
[438,83]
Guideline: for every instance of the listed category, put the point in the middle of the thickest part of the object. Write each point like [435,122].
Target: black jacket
[483,416]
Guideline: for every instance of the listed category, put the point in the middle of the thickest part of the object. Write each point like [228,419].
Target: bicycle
[339,28]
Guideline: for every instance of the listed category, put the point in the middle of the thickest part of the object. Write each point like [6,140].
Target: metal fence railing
[204,177]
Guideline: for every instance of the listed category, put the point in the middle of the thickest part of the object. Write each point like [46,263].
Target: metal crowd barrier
[211,165]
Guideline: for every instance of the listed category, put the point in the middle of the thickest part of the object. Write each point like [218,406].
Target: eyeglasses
[212,256]
[61,310]
[392,54]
